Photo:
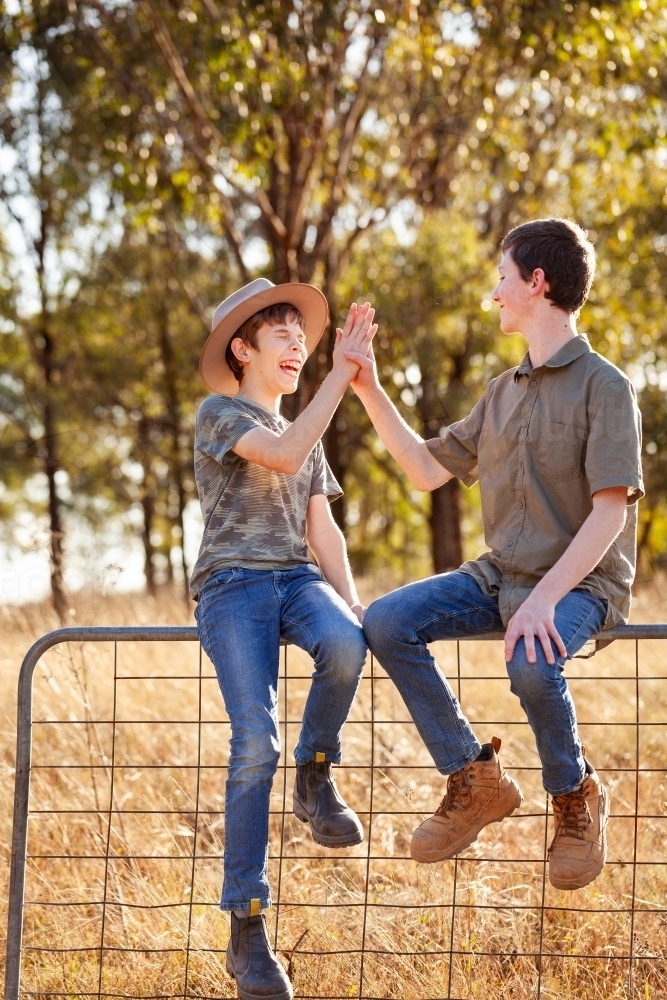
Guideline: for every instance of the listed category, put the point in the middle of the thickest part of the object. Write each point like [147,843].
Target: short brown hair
[279,312]
[562,249]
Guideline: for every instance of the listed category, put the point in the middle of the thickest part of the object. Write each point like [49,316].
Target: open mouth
[290,367]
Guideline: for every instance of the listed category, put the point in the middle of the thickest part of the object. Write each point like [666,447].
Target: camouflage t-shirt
[254,518]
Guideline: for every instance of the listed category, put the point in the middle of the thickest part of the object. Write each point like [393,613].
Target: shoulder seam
[615,375]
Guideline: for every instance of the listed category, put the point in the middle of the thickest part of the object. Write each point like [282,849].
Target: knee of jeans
[254,755]
[381,624]
[346,650]
[528,680]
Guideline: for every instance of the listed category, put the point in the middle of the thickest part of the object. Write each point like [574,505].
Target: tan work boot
[479,794]
[579,848]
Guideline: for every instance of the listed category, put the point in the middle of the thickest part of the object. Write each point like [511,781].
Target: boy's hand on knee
[534,620]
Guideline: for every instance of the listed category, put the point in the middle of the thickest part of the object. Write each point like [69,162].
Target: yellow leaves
[180,178]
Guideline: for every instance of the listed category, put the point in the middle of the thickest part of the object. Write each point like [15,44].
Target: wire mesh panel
[118,839]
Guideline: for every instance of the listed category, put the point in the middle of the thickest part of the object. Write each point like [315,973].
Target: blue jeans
[242,615]
[451,606]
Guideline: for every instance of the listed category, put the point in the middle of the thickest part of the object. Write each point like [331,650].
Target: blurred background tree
[380,150]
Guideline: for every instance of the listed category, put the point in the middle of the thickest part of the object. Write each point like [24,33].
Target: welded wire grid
[126,834]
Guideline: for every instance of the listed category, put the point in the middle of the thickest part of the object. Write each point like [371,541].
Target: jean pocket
[219,579]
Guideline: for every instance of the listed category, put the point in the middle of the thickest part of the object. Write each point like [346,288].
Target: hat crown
[238,297]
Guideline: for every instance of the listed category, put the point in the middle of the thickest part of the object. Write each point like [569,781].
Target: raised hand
[367,376]
[354,339]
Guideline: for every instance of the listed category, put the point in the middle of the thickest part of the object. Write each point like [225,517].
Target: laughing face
[279,357]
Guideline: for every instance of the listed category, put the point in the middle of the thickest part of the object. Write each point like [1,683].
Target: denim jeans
[242,615]
[451,606]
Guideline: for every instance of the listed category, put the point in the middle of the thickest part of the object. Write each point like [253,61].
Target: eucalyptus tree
[137,375]
[300,128]
[53,223]
[297,130]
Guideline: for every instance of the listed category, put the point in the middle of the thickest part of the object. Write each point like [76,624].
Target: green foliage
[379,151]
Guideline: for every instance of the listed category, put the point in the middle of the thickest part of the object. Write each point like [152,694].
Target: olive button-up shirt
[542,441]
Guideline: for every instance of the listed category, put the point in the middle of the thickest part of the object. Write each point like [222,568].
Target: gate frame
[134,633]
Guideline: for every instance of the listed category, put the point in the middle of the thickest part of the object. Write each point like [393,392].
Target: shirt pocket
[559,450]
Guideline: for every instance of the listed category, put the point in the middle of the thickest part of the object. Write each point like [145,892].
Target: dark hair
[280,312]
[563,251]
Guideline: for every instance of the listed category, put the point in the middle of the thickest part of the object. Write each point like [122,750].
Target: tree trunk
[174,423]
[147,504]
[51,466]
[43,352]
[333,452]
[445,515]
[445,522]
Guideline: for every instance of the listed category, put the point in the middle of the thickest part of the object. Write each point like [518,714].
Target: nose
[496,293]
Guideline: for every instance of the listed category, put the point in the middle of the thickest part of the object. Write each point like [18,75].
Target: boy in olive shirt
[556,446]
[265,487]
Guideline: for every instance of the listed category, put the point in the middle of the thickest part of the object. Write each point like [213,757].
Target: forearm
[402,443]
[330,551]
[583,553]
[288,451]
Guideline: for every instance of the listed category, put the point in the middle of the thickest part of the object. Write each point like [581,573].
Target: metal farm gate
[118,833]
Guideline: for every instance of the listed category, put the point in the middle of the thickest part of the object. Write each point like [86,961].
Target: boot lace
[459,793]
[572,816]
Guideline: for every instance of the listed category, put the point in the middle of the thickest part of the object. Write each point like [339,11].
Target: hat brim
[311,303]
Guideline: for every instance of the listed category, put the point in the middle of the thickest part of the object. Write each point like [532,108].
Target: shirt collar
[570,351]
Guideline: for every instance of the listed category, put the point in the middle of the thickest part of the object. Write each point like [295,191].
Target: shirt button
[508,579]
[525,423]
[520,505]
[533,383]
[510,544]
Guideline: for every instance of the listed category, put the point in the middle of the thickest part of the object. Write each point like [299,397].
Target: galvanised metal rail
[19,855]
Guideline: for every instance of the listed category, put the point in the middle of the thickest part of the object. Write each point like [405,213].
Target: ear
[538,282]
[240,350]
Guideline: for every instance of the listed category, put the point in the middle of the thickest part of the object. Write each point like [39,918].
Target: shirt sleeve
[457,449]
[219,427]
[323,481]
[613,447]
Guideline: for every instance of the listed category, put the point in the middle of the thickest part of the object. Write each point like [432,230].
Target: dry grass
[498,918]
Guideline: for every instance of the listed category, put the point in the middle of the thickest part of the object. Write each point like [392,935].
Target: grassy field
[169,719]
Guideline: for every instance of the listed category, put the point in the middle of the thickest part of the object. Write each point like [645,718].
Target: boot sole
[323,841]
[283,995]
[586,877]
[431,857]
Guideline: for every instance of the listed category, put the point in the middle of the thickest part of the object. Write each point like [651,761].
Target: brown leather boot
[479,794]
[579,848]
[317,801]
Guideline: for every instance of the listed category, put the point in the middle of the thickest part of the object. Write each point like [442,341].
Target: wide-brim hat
[240,306]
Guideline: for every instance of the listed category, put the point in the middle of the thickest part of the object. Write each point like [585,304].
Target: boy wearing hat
[265,487]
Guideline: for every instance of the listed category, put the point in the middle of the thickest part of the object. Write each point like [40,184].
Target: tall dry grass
[156,897]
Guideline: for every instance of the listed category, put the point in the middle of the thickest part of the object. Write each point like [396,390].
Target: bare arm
[288,451]
[403,444]
[326,540]
[535,617]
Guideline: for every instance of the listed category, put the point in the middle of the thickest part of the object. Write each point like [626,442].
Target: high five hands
[354,340]
[360,354]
